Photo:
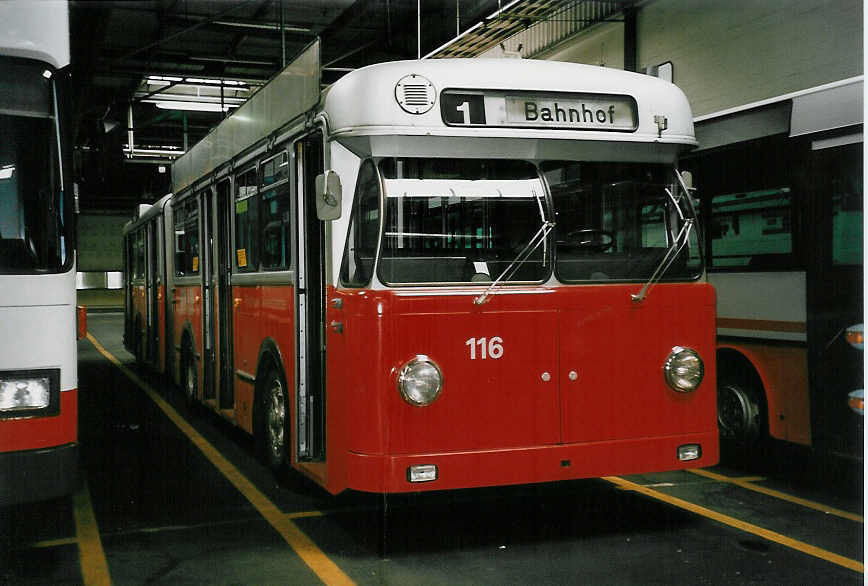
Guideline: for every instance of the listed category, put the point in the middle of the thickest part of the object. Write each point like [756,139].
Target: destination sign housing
[563,111]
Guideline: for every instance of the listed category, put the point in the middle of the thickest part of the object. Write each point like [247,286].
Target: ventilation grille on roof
[415,94]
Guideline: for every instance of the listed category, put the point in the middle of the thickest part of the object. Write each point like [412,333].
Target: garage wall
[100,242]
[728,53]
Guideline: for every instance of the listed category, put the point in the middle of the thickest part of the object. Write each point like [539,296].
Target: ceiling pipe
[630,39]
[282,37]
[287,28]
[130,134]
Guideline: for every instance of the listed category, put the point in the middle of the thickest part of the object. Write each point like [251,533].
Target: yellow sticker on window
[241,253]
[195,264]
[241,207]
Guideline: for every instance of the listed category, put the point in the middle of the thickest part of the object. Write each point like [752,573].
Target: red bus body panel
[34,433]
[783,371]
[577,392]
[160,324]
[260,313]
[187,317]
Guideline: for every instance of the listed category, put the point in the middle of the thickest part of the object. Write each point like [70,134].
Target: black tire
[137,341]
[274,428]
[740,409]
[189,376]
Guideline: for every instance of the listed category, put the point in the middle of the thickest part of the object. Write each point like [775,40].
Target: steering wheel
[595,238]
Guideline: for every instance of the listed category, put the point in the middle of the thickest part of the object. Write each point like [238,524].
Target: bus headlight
[683,369]
[420,381]
[23,392]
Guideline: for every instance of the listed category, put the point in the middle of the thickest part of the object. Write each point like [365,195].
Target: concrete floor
[166,514]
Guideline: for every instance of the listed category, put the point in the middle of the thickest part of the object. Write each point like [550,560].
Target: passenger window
[752,230]
[180,239]
[138,257]
[191,237]
[246,222]
[275,211]
[357,267]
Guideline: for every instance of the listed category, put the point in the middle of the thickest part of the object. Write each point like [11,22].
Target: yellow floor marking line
[747,484]
[740,525]
[305,515]
[316,560]
[94,568]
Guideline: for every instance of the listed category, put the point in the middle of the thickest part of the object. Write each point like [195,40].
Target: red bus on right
[780,184]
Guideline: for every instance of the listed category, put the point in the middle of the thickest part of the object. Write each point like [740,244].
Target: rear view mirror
[687,178]
[328,195]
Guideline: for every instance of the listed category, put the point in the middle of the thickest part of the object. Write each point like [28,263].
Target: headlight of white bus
[26,392]
[420,381]
[683,369]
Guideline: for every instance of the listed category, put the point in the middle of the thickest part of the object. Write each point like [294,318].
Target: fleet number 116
[488,347]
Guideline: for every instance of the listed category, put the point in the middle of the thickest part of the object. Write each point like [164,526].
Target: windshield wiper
[677,245]
[529,248]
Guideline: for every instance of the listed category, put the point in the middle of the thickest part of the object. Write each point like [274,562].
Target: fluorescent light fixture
[6,172]
[194,106]
[153,152]
[166,80]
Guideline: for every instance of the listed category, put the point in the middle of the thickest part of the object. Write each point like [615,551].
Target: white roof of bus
[146,212]
[35,30]
[363,102]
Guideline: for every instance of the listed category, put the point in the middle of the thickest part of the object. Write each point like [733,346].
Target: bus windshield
[460,220]
[32,227]
[618,222]
[467,220]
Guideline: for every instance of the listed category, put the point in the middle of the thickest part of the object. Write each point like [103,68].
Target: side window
[246,221]
[191,237]
[274,205]
[180,238]
[847,205]
[138,255]
[357,266]
[752,230]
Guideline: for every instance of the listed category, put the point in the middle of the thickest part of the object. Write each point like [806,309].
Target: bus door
[835,293]
[310,304]
[224,295]
[152,329]
[206,254]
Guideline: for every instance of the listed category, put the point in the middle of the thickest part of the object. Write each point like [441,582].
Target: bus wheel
[137,341]
[275,421]
[189,376]
[738,411]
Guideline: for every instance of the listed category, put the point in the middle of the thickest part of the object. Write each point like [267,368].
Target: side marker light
[689,452]
[422,473]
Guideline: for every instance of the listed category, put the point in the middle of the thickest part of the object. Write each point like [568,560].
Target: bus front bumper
[551,463]
[38,475]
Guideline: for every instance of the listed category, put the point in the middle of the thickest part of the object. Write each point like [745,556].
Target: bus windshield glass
[33,231]
[619,221]
[461,221]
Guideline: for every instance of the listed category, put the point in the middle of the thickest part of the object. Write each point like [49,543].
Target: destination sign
[531,110]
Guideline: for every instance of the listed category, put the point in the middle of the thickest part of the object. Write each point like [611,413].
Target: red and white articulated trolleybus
[38,376]
[442,274]
[145,322]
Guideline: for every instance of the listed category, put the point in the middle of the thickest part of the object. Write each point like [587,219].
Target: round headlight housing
[420,381]
[683,369]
